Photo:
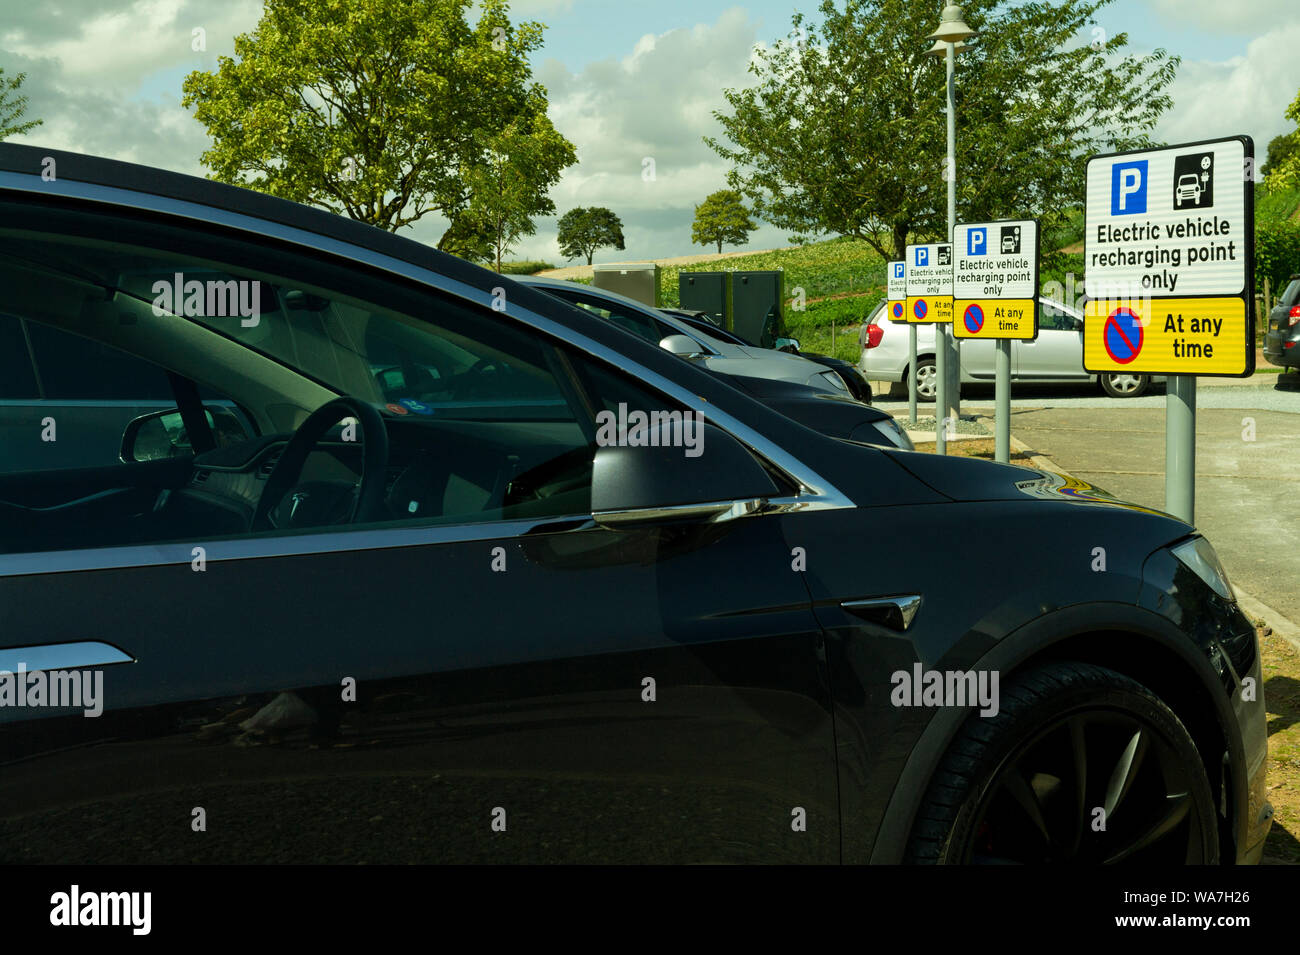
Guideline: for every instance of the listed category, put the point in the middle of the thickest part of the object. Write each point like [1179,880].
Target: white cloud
[1216,16]
[656,102]
[1246,94]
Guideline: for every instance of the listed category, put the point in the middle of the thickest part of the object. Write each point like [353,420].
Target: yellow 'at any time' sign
[929,308]
[996,318]
[1198,336]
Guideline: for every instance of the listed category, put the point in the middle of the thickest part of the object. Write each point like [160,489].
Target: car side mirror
[787,345]
[676,470]
[161,434]
[682,345]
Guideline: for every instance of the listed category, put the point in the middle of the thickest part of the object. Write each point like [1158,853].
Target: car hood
[970,479]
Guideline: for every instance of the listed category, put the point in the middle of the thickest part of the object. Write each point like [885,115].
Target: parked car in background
[1282,338]
[858,386]
[1055,357]
[686,341]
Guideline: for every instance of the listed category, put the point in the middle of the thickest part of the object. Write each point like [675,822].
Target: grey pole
[941,388]
[1002,415]
[954,356]
[1180,447]
[911,374]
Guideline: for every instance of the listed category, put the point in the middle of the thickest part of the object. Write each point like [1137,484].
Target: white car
[689,342]
[1055,357]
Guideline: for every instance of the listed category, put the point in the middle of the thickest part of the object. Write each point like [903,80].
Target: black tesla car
[421,564]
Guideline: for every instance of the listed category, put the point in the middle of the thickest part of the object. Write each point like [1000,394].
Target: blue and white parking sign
[898,270]
[1128,188]
[977,241]
[922,256]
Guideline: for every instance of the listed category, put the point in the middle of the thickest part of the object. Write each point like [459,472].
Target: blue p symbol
[922,256]
[898,270]
[977,242]
[1128,188]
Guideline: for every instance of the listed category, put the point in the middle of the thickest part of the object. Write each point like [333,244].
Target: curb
[1256,609]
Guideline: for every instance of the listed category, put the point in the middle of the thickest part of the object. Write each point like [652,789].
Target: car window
[627,319]
[1051,317]
[1292,293]
[17,377]
[488,420]
[78,399]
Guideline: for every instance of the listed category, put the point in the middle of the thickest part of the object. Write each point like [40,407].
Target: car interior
[482,422]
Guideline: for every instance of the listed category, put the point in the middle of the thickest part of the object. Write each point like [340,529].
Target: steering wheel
[369,500]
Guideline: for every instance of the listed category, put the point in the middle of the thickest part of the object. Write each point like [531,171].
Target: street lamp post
[948,43]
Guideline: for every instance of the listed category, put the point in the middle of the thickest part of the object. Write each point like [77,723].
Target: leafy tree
[1283,166]
[1279,149]
[511,186]
[582,231]
[844,132]
[722,217]
[13,106]
[374,109]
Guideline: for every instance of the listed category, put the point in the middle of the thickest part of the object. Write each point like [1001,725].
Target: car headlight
[1199,557]
[834,380]
[890,429]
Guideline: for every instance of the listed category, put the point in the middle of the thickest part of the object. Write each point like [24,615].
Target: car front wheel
[927,381]
[1124,385]
[1080,765]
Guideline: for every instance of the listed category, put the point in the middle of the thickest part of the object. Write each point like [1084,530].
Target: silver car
[687,341]
[1055,357]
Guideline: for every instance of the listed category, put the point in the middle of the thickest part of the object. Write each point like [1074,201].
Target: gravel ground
[928,424]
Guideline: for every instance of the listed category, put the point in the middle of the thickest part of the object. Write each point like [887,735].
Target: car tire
[1025,785]
[927,380]
[1123,385]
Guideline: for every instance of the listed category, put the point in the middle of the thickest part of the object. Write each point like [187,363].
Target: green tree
[374,109]
[511,186]
[844,131]
[12,107]
[722,217]
[582,231]
[1279,148]
[1283,166]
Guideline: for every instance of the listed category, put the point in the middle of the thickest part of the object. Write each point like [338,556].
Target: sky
[627,80]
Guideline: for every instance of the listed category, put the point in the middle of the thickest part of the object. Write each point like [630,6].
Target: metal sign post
[995,295]
[1180,447]
[929,300]
[1169,250]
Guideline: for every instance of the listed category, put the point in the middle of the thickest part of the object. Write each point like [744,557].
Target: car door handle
[61,656]
[712,512]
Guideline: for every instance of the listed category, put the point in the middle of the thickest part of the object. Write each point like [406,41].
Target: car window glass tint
[17,379]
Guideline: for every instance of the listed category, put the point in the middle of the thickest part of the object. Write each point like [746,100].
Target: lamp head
[952,26]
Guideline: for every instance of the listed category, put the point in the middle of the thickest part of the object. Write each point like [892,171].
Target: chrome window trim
[61,656]
[816,493]
[178,553]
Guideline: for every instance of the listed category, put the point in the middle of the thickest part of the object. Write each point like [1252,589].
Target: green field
[1276,205]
